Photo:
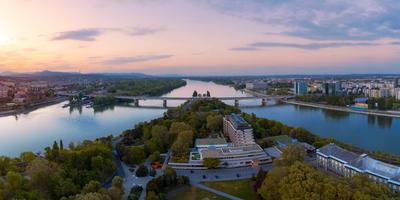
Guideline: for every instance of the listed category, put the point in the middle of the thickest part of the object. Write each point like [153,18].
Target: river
[40,128]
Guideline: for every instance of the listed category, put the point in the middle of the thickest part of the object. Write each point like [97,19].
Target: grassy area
[194,193]
[239,188]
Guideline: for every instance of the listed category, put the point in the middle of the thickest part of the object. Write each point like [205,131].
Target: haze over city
[200,37]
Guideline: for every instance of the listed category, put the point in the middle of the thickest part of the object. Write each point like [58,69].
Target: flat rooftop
[338,152]
[237,121]
[230,151]
[211,141]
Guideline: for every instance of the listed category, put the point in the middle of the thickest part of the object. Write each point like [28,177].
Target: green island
[87,170]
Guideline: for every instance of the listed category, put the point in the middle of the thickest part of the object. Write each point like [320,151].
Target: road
[197,176]
[345,109]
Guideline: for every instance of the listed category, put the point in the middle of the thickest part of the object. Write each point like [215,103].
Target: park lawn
[240,188]
[195,193]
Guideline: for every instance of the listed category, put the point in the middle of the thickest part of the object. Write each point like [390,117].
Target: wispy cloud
[135,59]
[322,19]
[244,49]
[81,35]
[308,46]
[145,31]
[91,34]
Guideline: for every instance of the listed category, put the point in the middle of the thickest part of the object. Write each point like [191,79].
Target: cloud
[90,34]
[81,35]
[60,67]
[244,49]
[135,59]
[309,46]
[320,19]
[144,31]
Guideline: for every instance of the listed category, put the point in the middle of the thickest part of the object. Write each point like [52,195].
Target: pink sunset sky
[201,37]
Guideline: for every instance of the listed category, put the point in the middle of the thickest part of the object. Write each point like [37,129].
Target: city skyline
[201,37]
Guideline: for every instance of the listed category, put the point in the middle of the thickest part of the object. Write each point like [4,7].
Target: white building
[259,85]
[238,130]
[230,157]
[346,163]
[3,91]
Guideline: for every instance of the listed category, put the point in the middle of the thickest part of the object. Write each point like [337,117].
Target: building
[332,88]
[300,88]
[230,156]
[242,152]
[396,82]
[346,163]
[283,141]
[3,91]
[204,143]
[360,103]
[238,130]
[259,85]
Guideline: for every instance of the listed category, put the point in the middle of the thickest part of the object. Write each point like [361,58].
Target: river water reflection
[38,129]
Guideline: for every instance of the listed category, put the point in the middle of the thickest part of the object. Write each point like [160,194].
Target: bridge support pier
[164,103]
[264,102]
[136,102]
[236,102]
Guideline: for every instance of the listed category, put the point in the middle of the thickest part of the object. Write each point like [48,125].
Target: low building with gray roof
[346,163]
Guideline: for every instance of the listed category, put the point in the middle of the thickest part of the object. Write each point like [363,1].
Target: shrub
[142,171]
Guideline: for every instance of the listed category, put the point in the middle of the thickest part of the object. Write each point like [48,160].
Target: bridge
[136,99]
[263,99]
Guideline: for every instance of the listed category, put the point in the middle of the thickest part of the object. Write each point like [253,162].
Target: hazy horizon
[201,37]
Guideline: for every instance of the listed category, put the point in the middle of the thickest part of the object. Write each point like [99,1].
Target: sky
[201,37]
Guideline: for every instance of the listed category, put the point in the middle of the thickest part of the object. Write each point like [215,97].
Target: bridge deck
[183,98]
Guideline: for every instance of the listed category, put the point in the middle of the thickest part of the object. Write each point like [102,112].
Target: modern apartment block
[300,88]
[346,163]
[238,130]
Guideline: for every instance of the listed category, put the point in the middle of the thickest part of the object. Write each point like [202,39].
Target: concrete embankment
[346,109]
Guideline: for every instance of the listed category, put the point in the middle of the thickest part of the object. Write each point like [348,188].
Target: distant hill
[54,74]
[124,75]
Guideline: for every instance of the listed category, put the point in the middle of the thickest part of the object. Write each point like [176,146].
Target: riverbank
[345,109]
[31,108]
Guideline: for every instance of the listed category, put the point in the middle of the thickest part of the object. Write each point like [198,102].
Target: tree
[91,187]
[152,196]
[181,146]
[291,154]
[152,172]
[270,186]
[176,128]
[118,183]
[61,145]
[214,122]
[195,94]
[134,155]
[27,156]
[155,156]
[142,171]
[208,94]
[211,163]
[135,193]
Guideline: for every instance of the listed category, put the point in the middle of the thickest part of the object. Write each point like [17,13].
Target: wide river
[35,130]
